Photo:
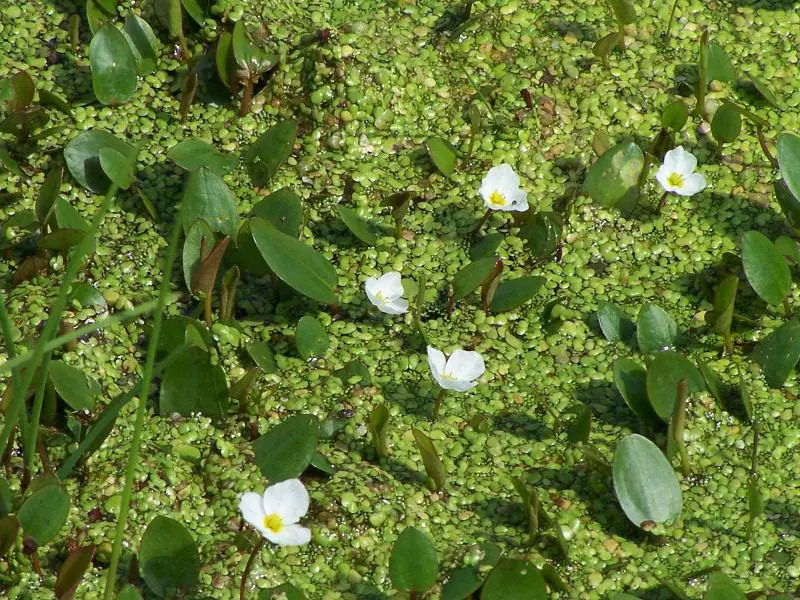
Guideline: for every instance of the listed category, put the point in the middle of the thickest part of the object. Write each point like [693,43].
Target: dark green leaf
[61,239]
[413,564]
[354,369]
[469,278]
[9,531]
[24,90]
[655,329]
[514,579]
[789,248]
[252,59]
[461,583]
[207,197]
[169,561]
[193,384]
[72,571]
[359,227]
[268,152]
[663,375]
[44,513]
[285,591]
[378,421]
[724,299]
[614,177]
[52,100]
[579,428]
[623,11]
[616,325]
[82,156]
[311,338]
[765,268]
[778,353]
[722,587]
[97,15]
[68,217]
[262,355]
[197,9]
[117,167]
[6,498]
[645,482]
[192,243]
[486,246]
[86,294]
[675,116]
[282,208]
[224,58]
[285,451]
[321,463]
[763,90]
[605,46]
[631,380]
[76,388]
[542,234]
[726,125]
[713,383]
[50,190]
[113,66]
[295,263]
[515,292]
[755,499]
[9,164]
[720,67]
[442,155]
[129,593]
[789,162]
[430,458]
[143,43]
[194,154]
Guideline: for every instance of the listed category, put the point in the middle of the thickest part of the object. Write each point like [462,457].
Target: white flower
[459,372]
[500,190]
[677,173]
[275,514]
[386,292]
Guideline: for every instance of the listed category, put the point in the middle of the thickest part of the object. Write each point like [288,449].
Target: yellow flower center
[675,180]
[380,297]
[448,376]
[497,199]
[273,522]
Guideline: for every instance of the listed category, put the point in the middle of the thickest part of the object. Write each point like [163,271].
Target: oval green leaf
[143,43]
[193,154]
[430,458]
[117,167]
[113,66]
[262,355]
[9,530]
[663,375]
[192,384]
[311,338]
[514,579]
[76,388]
[169,561]
[50,190]
[469,278]
[631,380]
[655,329]
[726,124]
[82,156]
[442,155]
[675,116]
[778,353]
[615,324]
[361,228]
[286,450]
[765,268]
[44,513]
[413,564]
[515,292]
[268,152]
[461,584]
[614,177]
[789,163]
[284,209]
[720,67]
[206,196]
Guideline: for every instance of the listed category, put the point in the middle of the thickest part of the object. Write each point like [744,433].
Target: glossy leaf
[72,571]
[726,125]
[113,66]
[655,329]
[614,177]
[286,450]
[311,337]
[720,67]
[268,152]
[513,293]
[168,561]
[207,197]
[470,277]
[295,263]
[117,167]
[194,154]
[262,355]
[250,58]
[199,235]
[615,324]
[486,246]
[225,59]
[144,43]
[645,482]
[442,155]
[514,579]
[413,563]
[378,421]
[789,162]
[197,9]
[192,384]
[778,353]
[44,513]
[361,228]
[663,375]
[82,156]
[631,381]
[24,90]
[765,268]
[284,209]
[461,583]
[430,458]
[75,387]
[722,587]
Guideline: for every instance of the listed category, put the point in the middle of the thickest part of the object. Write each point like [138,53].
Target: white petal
[519,201]
[498,179]
[680,161]
[662,175]
[293,535]
[436,361]
[390,285]
[461,386]
[395,307]
[372,287]
[692,184]
[289,499]
[465,365]
[252,509]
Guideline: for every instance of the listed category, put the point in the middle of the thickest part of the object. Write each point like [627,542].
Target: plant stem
[787,307]
[762,141]
[700,92]
[438,404]
[481,221]
[29,441]
[207,309]
[136,442]
[247,96]
[249,566]
[665,33]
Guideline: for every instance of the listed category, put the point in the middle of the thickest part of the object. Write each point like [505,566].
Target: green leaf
[194,154]
[605,46]
[197,232]
[720,67]
[9,164]
[193,384]
[169,561]
[97,15]
[297,264]
[286,450]
[486,246]
[726,125]
[614,177]
[514,579]
[631,381]
[442,155]
[675,116]
[76,388]
[724,299]
[765,268]
[52,100]
[663,375]
[722,587]
[113,66]
[117,166]
[144,43]
[615,324]
[713,383]
[513,293]
[197,9]
[50,190]
[6,498]
[129,593]
[413,564]
[285,591]
[268,152]
[354,369]
[763,90]
[430,458]
[461,584]
[44,513]
[72,571]
[252,59]
[579,428]
[542,234]
[225,59]
[469,278]
[311,338]
[623,11]
[207,197]
[361,228]
[262,355]
[61,239]
[655,329]
[24,89]
[82,156]
[789,162]
[378,421]
[778,353]
[282,208]
[9,531]
[645,482]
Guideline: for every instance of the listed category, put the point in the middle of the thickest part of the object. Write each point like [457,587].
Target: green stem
[438,403]
[11,350]
[478,91]
[669,21]
[700,94]
[249,567]
[29,441]
[787,307]
[136,442]
[762,141]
